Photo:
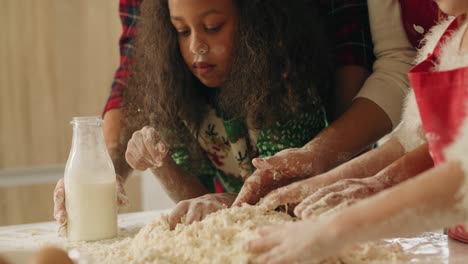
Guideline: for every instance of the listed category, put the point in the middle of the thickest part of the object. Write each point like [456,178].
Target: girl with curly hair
[220,82]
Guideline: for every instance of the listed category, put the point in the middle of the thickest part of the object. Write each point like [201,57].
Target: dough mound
[219,238]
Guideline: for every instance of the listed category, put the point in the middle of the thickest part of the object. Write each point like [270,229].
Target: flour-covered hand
[196,209]
[60,213]
[273,172]
[294,162]
[293,193]
[146,149]
[260,183]
[305,241]
[341,193]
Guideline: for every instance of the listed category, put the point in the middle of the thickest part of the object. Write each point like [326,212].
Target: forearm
[408,166]
[367,164]
[112,130]
[429,201]
[349,80]
[178,184]
[361,126]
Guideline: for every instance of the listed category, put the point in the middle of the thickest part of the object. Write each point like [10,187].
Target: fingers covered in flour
[340,194]
[146,149]
[196,209]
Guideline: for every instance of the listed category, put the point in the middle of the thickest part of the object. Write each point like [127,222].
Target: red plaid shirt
[129,11]
[347,26]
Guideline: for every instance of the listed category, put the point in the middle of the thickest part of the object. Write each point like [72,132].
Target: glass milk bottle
[90,184]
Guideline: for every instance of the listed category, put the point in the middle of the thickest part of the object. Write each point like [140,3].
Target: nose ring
[202,51]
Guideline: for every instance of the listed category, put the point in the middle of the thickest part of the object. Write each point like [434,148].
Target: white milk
[90,184]
[92,211]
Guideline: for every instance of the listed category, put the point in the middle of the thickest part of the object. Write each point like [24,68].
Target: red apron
[441,97]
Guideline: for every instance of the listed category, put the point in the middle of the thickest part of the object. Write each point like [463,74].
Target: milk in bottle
[90,184]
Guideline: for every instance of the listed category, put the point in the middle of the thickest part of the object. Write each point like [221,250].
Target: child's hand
[146,149]
[294,162]
[296,192]
[259,184]
[283,168]
[192,210]
[303,241]
[343,192]
[60,212]
[291,194]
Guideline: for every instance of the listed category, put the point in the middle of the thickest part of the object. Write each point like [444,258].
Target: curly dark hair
[282,66]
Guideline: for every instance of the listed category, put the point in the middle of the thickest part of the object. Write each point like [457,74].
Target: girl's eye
[183,33]
[213,29]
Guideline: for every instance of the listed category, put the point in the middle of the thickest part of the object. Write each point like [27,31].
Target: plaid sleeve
[129,11]
[348,28]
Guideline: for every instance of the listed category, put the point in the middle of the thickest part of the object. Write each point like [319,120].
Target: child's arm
[352,190]
[363,166]
[147,150]
[429,201]
[177,182]
[432,200]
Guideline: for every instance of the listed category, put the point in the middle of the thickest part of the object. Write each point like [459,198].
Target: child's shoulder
[431,38]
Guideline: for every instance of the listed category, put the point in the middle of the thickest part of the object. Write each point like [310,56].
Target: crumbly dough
[219,238]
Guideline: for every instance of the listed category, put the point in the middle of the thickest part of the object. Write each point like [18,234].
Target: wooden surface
[57,60]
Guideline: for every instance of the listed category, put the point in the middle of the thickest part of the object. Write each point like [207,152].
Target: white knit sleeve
[388,84]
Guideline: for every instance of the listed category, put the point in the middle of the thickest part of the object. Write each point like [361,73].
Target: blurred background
[57,60]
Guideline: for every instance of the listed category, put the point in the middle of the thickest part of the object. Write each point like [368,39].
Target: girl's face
[205,30]
[453,7]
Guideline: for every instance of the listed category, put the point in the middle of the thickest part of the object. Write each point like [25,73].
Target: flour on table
[219,238]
